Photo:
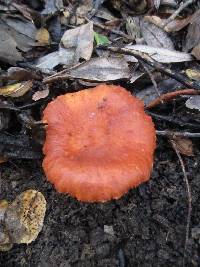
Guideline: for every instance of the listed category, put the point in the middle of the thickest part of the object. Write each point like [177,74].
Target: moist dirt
[146,227]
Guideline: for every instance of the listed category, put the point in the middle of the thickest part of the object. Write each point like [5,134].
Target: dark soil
[148,223]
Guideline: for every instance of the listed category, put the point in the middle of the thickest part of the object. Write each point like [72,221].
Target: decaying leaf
[3,207]
[2,159]
[40,94]
[101,69]
[196,51]
[193,102]
[160,54]
[51,60]
[16,90]
[173,26]
[24,217]
[157,3]
[155,36]
[184,145]
[133,27]
[20,74]
[193,34]
[51,6]
[75,44]
[8,47]
[149,94]
[193,74]
[42,36]
[4,237]
[23,31]
[80,40]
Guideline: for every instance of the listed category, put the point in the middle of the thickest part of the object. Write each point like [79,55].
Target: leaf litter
[59,43]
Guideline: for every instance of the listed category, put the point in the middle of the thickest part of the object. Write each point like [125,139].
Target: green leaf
[101,39]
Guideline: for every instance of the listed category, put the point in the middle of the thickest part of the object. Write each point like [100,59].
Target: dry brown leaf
[21,74]
[16,90]
[193,74]
[173,26]
[42,36]
[40,94]
[24,217]
[2,159]
[184,145]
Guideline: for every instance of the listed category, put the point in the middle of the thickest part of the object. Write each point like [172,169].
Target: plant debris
[22,220]
[150,47]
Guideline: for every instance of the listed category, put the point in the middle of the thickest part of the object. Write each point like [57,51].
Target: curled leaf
[184,145]
[16,90]
[193,74]
[40,94]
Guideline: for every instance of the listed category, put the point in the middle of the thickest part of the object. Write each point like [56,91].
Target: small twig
[152,79]
[182,6]
[153,63]
[173,134]
[120,33]
[189,197]
[171,95]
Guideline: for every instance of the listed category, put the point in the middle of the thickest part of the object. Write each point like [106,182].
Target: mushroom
[99,143]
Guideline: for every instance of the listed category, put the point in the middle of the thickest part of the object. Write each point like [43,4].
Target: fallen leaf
[101,39]
[173,26]
[149,94]
[8,47]
[135,76]
[184,145]
[51,6]
[193,74]
[61,57]
[80,40]
[156,3]
[101,69]
[42,36]
[171,3]
[2,160]
[104,13]
[196,51]
[193,102]
[193,34]
[82,11]
[23,31]
[155,36]
[40,94]
[16,90]
[24,217]
[20,74]
[75,44]
[159,54]
[133,27]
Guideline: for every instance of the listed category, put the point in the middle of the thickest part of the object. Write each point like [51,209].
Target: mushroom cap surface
[99,143]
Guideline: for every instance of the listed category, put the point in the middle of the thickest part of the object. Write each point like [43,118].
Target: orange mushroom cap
[99,143]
